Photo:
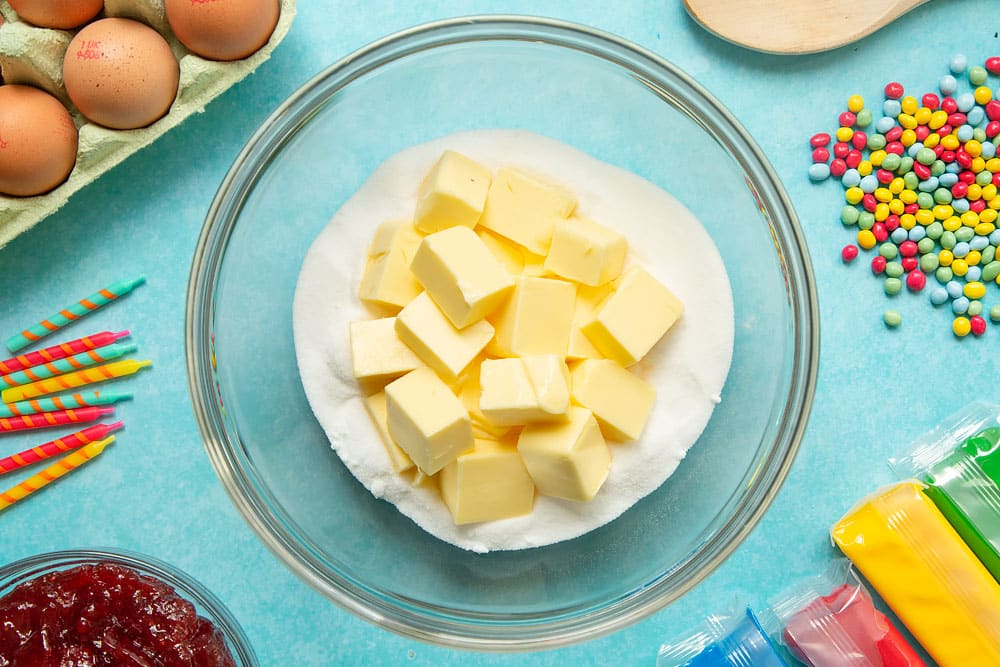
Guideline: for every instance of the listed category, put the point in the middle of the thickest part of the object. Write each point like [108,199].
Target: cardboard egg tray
[34,56]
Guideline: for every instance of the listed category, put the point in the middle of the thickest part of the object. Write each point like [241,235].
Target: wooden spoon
[796,26]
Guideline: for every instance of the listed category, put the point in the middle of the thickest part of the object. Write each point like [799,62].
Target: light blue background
[156,493]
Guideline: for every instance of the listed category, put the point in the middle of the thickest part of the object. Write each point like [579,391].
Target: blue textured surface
[158,494]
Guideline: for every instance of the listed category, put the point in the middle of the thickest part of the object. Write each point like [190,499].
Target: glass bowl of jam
[113,607]
[608,98]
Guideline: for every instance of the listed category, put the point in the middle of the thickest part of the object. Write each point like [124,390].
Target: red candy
[922,131]
[978,325]
[938,150]
[847,119]
[884,176]
[956,119]
[821,155]
[911,208]
[908,249]
[909,263]
[878,264]
[931,101]
[838,167]
[922,171]
[894,147]
[996,179]
[977,206]
[916,280]
[893,90]
[949,105]
[894,134]
[959,189]
[841,149]
[967,177]
[859,140]
[993,109]
[947,156]
[993,65]
[880,232]
[892,222]
[993,128]
[819,139]
[944,130]
[869,202]
[964,159]
[853,158]
[849,253]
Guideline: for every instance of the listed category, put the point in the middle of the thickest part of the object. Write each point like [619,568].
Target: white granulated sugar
[688,367]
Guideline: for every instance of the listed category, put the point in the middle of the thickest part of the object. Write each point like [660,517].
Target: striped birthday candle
[57,446]
[64,402]
[72,380]
[50,419]
[53,472]
[68,364]
[72,312]
[60,351]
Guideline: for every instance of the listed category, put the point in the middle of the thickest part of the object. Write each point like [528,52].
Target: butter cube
[487,483]
[377,353]
[453,193]
[524,209]
[427,420]
[469,390]
[377,410]
[461,275]
[387,282]
[566,459]
[424,328]
[507,253]
[586,252]
[621,401]
[523,390]
[634,318]
[536,319]
[588,300]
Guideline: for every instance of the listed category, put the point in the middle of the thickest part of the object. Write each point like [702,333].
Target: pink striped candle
[57,446]
[55,418]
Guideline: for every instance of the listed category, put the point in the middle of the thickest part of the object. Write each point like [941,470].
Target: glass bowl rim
[190,588]
[403,616]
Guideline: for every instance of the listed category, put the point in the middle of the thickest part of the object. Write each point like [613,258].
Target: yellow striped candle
[71,380]
[53,472]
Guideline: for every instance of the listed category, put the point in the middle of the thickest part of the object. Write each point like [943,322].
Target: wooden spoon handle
[796,26]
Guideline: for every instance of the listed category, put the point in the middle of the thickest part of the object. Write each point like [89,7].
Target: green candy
[849,215]
[942,196]
[984,178]
[925,246]
[995,313]
[977,75]
[925,200]
[910,180]
[891,162]
[938,167]
[866,220]
[864,118]
[979,134]
[926,157]
[991,271]
[876,142]
[975,308]
[892,318]
[893,286]
[944,274]
[965,234]
[934,230]
[888,250]
[905,166]
[928,262]
[948,240]
[988,254]
[893,269]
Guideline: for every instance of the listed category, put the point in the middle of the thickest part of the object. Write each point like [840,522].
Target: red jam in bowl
[105,614]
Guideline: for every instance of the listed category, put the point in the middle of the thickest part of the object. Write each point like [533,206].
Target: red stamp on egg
[90,49]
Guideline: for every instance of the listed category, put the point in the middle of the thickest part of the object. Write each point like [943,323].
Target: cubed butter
[387,282]
[588,300]
[461,275]
[524,390]
[375,404]
[427,420]
[569,459]
[377,353]
[452,194]
[469,390]
[634,318]
[586,252]
[425,329]
[620,400]
[487,483]
[524,209]
[537,317]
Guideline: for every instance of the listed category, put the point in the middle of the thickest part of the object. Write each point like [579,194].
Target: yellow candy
[856,103]
[938,119]
[877,157]
[907,121]
[973,257]
[897,185]
[987,215]
[909,105]
[924,217]
[973,148]
[896,207]
[908,138]
[864,167]
[943,211]
[989,192]
[854,195]
[866,239]
[993,165]
[922,116]
[985,228]
[995,203]
[844,134]
[883,195]
[959,267]
[961,326]
[932,140]
[881,212]
[952,224]
[907,221]
[978,164]
[908,196]
[950,142]
[969,218]
[945,257]
[974,192]
[983,95]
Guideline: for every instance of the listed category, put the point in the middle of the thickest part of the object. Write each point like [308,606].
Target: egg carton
[34,56]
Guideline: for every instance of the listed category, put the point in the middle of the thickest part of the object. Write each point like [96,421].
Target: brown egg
[120,73]
[38,141]
[60,14]
[222,29]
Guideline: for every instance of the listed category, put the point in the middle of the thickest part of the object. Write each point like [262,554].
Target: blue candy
[917,233]
[851,178]
[965,102]
[961,249]
[964,132]
[978,242]
[975,116]
[974,274]
[960,305]
[989,150]
[947,179]
[939,295]
[884,124]
[869,183]
[899,235]
[891,108]
[954,288]
[819,171]
[948,84]
[960,205]
[958,63]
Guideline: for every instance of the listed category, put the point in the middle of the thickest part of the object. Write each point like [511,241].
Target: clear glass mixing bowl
[620,103]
